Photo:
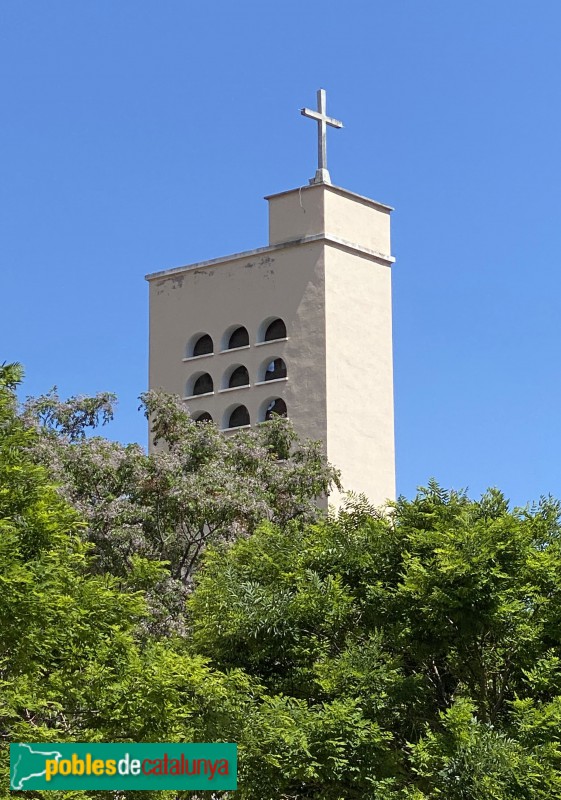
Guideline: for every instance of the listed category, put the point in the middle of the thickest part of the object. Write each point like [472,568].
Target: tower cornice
[335,190]
[334,241]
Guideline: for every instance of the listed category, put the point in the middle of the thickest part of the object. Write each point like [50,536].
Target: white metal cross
[322,173]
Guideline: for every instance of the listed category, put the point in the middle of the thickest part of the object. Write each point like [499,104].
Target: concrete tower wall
[216,297]
[326,273]
[359,376]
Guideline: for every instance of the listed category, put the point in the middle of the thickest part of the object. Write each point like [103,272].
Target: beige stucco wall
[245,291]
[327,274]
[324,209]
[357,220]
[359,373]
[295,214]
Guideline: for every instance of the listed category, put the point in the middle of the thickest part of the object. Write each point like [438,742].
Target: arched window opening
[203,384]
[204,417]
[276,330]
[238,338]
[275,369]
[276,407]
[239,377]
[203,346]
[238,417]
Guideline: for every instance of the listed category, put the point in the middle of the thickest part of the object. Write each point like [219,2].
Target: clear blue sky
[129,127]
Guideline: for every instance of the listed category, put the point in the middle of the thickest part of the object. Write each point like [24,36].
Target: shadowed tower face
[301,327]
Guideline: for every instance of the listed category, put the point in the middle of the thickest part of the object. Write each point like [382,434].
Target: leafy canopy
[430,638]
[409,656]
[74,665]
[196,487]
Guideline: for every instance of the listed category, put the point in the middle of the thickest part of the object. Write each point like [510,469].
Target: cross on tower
[322,173]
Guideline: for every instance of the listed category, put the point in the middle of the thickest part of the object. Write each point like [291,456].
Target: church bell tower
[301,327]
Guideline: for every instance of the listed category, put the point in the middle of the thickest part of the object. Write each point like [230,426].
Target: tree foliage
[196,487]
[433,633]
[73,666]
[411,655]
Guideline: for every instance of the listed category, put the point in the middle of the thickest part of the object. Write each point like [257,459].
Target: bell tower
[301,327]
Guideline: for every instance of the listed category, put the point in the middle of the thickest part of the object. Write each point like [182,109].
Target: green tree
[431,639]
[197,487]
[72,664]
[409,656]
